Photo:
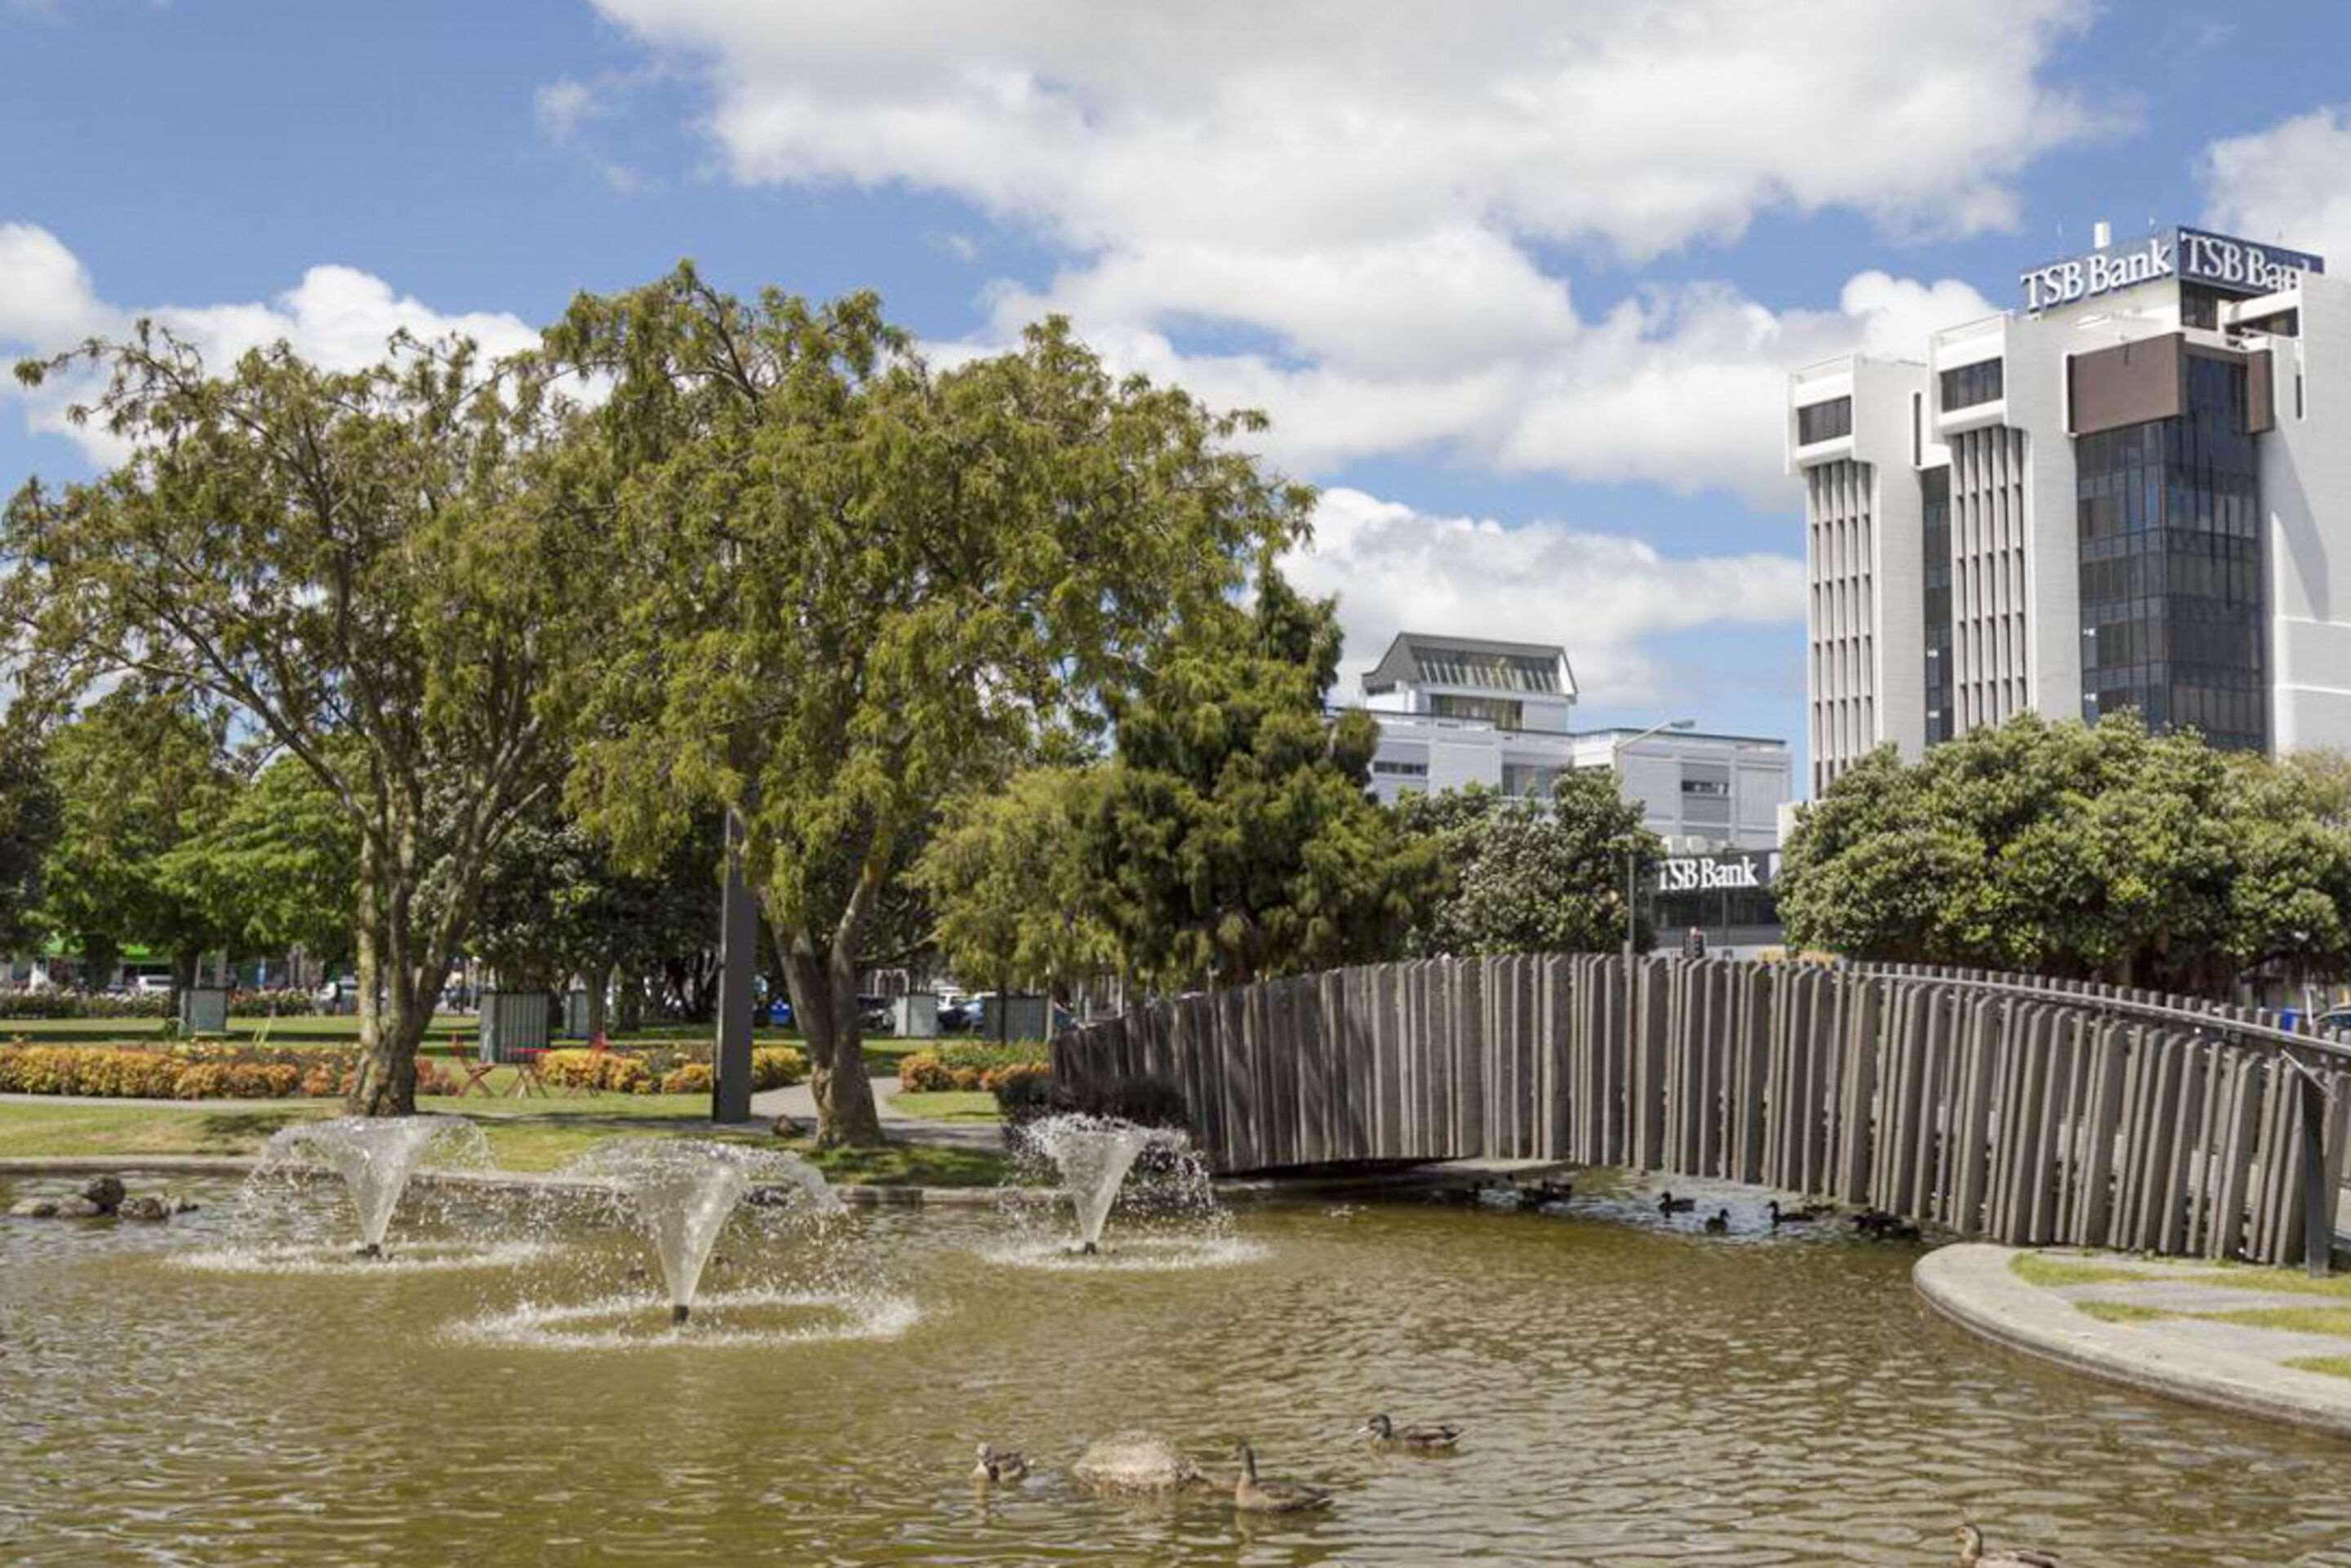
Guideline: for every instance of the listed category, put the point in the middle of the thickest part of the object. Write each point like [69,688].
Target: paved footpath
[2247,1368]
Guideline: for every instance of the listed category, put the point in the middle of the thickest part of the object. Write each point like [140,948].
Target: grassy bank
[523,1134]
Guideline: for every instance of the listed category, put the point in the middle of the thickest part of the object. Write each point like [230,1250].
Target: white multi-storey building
[1455,711]
[2135,491]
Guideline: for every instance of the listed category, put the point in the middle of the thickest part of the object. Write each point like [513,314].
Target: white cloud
[1605,595]
[337,317]
[1373,194]
[564,106]
[2290,184]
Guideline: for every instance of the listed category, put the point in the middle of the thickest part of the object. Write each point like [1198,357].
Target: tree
[857,586]
[1235,834]
[1008,876]
[382,572]
[2082,851]
[137,775]
[28,827]
[1531,876]
[279,864]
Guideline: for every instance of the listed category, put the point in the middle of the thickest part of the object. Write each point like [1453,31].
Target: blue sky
[1518,282]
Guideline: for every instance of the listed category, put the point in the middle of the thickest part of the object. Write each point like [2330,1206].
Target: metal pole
[738,961]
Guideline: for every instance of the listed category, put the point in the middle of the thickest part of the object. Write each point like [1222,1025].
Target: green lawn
[948,1105]
[531,1134]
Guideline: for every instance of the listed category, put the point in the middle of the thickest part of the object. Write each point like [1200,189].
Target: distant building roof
[1427,659]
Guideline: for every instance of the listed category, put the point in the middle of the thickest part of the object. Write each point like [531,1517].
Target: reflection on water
[1632,1396]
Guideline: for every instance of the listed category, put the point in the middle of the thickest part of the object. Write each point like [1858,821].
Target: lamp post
[1631,870]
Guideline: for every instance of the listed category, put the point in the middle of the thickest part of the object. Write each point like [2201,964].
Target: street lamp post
[1632,870]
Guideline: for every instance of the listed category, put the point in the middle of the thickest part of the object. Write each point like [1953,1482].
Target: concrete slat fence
[2028,1112]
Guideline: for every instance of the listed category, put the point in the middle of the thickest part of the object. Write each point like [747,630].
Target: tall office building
[2133,490]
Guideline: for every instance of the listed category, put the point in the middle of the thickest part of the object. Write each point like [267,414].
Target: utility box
[203,1009]
[1013,1018]
[512,1023]
[576,1014]
[916,1015]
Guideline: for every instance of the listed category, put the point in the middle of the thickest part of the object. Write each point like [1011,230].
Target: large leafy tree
[383,573]
[2085,851]
[1235,834]
[279,864]
[857,585]
[28,827]
[1008,876]
[1532,876]
[137,776]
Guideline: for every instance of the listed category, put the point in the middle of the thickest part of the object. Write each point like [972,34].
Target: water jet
[374,1157]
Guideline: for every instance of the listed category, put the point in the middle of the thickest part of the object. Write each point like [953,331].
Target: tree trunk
[632,1000]
[824,1005]
[184,965]
[396,997]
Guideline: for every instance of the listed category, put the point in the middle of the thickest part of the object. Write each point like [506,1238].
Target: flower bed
[663,1071]
[966,1066]
[190,1073]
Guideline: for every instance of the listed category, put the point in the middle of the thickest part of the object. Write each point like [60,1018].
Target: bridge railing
[1993,1106]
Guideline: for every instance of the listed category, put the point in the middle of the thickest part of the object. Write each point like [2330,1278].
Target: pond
[1634,1392]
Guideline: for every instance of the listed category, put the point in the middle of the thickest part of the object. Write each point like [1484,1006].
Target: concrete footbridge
[2009,1108]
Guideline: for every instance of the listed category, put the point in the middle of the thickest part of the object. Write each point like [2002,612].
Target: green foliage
[389,574]
[856,587]
[2083,851]
[965,1065]
[137,775]
[1009,879]
[278,865]
[1523,876]
[28,827]
[1235,837]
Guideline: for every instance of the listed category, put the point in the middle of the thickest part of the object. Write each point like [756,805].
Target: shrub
[777,1066]
[77,1005]
[687,1078]
[1023,1092]
[605,1071]
[271,1002]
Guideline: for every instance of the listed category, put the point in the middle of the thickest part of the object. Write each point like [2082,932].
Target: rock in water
[1135,1461]
[182,1204]
[105,1192]
[143,1207]
[33,1208]
[78,1208]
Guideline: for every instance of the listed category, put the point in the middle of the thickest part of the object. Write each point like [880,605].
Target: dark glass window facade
[1823,420]
[1970,385]
[2171,567]
[1935,519]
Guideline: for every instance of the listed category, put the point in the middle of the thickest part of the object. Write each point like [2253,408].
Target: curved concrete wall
[2057,1117]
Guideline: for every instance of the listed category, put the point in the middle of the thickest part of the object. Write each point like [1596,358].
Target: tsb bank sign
[1709,873]
[2233,266]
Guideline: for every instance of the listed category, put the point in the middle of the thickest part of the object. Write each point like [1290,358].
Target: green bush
[75,1005]
[965,1065]
[777,1066]
[188,1072]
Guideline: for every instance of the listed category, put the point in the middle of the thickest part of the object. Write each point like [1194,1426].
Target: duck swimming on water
[1670,1205]
[1973,1555]
[998,1466]
[1417,1437]
[1254,1496]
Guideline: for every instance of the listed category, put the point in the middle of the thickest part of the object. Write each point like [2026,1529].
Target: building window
[1971,384]
[2171,597]
[1529,780]
[1823,420]
[1494,672]
[1389,768]
[1500,712]
[1935,547]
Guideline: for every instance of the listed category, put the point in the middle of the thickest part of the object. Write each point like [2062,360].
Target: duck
[1973,1555]
[1794,1216]
[1416,1438]
[1254,1496]
[1874,1222]
[998,1466]
[1547,1191]
[1670,1205]
[1719,1222]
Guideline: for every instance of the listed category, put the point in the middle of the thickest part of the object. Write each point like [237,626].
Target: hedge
[190,1073]
[77,1005]
[663,1071]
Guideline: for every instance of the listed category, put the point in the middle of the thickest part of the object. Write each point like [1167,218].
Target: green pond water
[1633,1394]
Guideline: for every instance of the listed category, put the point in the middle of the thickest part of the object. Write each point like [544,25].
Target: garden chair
[468,1060]
[526,1081]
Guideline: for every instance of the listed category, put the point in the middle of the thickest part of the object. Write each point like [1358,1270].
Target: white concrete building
[1455,711]
[2135,491]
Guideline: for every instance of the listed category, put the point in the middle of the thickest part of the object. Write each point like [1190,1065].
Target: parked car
[877,1015]
[2337,1020]
[151,986]
[780,1012]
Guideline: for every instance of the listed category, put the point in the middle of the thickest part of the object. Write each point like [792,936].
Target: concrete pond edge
[1972,1284]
